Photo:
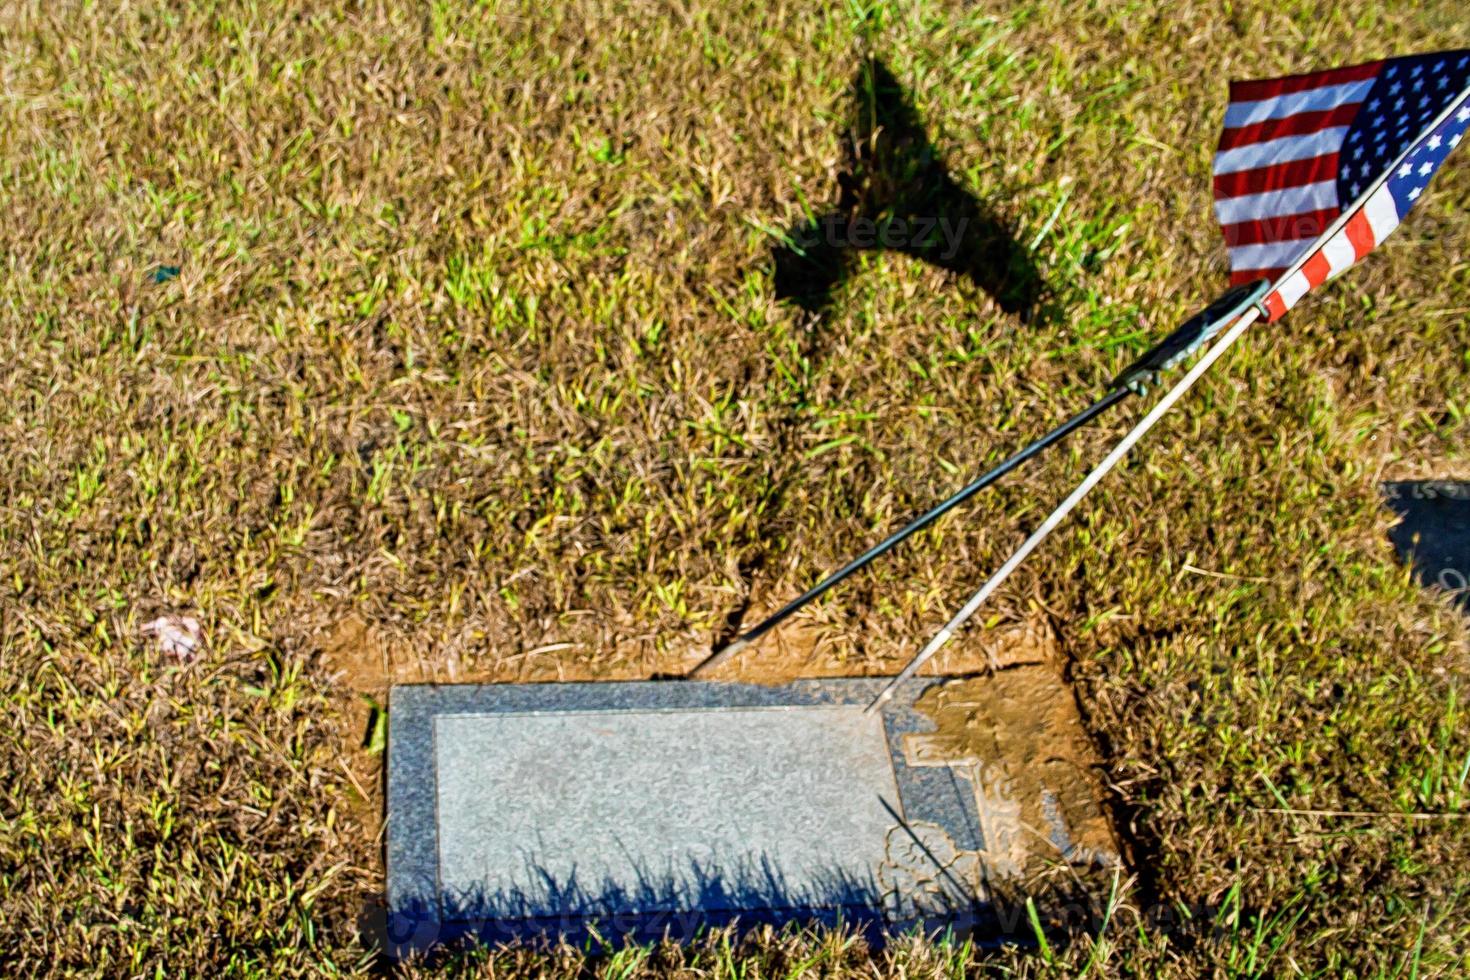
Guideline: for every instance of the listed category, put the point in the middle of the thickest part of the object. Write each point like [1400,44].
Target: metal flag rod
[726,653]
[1056,517]
[1135,379]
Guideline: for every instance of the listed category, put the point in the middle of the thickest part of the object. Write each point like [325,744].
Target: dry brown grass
[475,343]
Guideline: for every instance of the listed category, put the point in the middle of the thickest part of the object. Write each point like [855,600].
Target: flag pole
[1135,379]
[1127,443]
[1057,516]
[1082,418]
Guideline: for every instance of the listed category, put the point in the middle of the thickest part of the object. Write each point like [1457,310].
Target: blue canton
[1406,97]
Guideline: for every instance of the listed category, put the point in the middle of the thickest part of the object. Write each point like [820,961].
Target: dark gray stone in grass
[1434,533]
[650,808]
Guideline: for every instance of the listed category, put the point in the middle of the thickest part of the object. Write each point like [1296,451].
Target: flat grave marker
[644,809]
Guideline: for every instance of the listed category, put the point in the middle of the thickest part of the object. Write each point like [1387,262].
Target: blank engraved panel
[565,813]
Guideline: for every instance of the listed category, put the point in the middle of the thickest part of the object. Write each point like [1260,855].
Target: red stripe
[1360,233]
[1275,307]
[1301,124]
[1266,88]
[1240,277]
[1316,269]
[1288,227]
[1277,176]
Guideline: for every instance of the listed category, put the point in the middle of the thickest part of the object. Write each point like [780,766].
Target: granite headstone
[651,809]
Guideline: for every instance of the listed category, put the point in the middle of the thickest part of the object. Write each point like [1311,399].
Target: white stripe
[1383,214]
[1268,255]
[1339,253]
[1276,204]
[1282,150]
[1293,289]
[1311,100]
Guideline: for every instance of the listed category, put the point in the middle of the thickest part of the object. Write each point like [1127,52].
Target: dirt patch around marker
[357,664]
[803,649]
[1033,766]
[1007,721]
[1016,740]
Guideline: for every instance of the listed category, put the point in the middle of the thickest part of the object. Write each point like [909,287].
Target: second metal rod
[918,524]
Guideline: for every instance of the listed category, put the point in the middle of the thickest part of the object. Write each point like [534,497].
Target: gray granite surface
[659,808]
[599,812]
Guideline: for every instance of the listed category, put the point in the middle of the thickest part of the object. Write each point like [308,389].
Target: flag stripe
[1265,88]
[1242,276]
[1275,204]
[1284,150]
[1242,113]
[1275,254]
[1359,233]
[1277,177]
[1275,307]
[1317,268]
[1307,224]
[1340,253]
[1292,289]
[1382,214]
[1297,125]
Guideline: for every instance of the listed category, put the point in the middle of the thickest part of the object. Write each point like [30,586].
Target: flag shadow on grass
[896,194]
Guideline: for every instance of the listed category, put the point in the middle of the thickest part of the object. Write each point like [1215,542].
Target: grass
[475,341]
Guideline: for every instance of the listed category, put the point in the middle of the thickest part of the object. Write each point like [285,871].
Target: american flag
[1350,147]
